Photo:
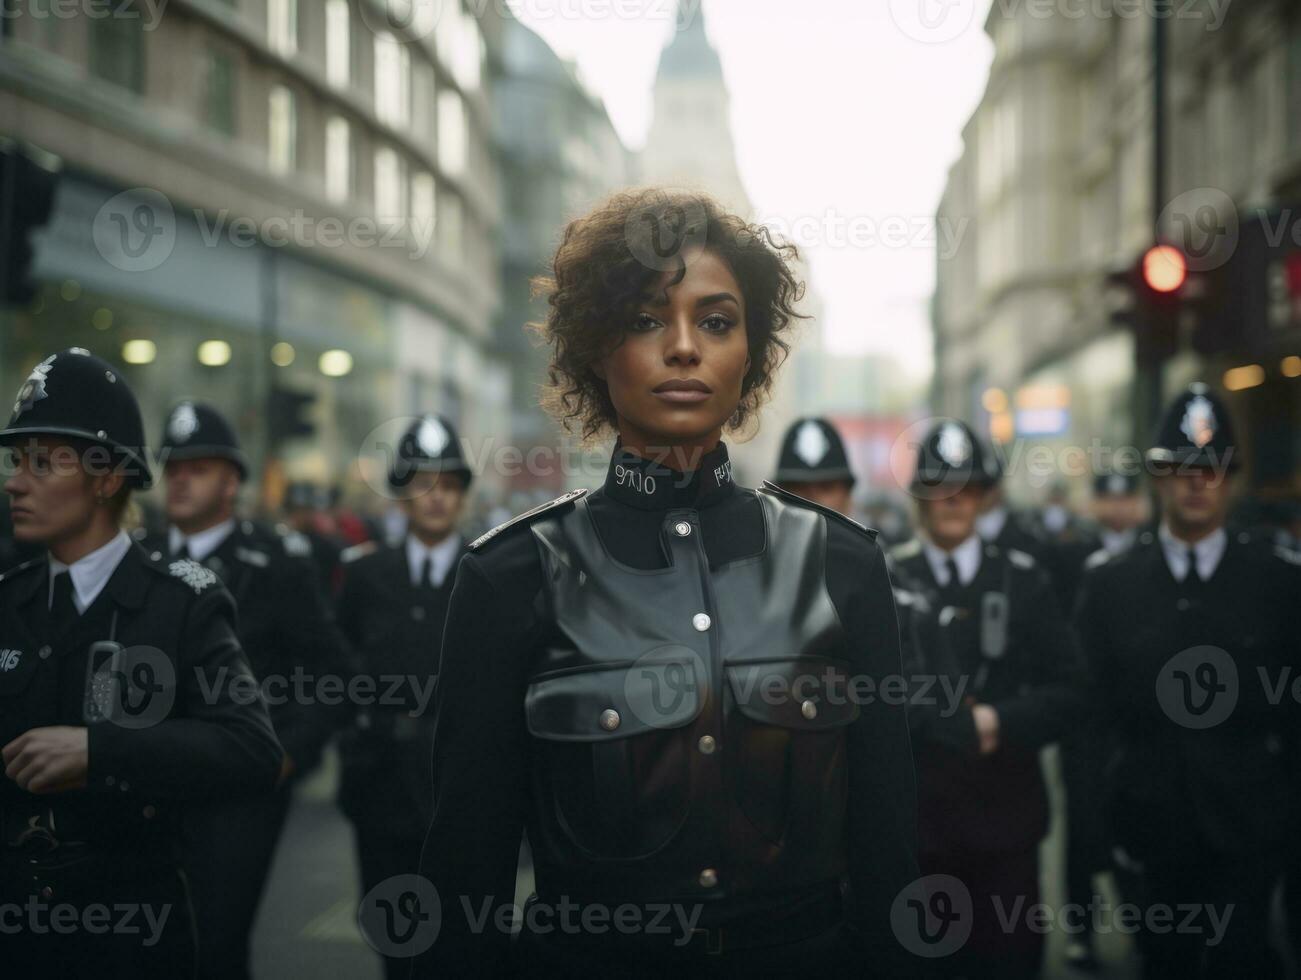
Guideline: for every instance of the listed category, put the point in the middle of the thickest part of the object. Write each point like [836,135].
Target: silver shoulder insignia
[193,574]
[1020,559]
[526,517]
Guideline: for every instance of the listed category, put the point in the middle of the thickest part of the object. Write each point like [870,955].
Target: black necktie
[1193,577]
[955,580]
[427,572]
[183,552]
[63,609]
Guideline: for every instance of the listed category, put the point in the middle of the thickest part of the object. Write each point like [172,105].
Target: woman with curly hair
[662,680]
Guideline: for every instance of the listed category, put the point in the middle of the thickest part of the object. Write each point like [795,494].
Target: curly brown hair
[604,270]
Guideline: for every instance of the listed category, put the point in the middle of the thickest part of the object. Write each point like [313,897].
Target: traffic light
[26,198]
[287,415]
[1149,297]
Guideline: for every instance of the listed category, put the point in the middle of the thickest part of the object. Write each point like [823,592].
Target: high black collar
[649,484]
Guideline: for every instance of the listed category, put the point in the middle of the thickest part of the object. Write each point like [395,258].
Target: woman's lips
[682,395]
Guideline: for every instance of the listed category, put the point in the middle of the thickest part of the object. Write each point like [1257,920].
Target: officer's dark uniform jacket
[209,745]
[284,626]
[602,682]
[1017,656]
[1176,789]
[385,778]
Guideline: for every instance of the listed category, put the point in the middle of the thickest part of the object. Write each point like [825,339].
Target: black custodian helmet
[952,456]
[812,451]
[75,394]
[1196,432]
[197,431]
[430,445]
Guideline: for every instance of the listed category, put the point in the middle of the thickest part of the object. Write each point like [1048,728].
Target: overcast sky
[847,108]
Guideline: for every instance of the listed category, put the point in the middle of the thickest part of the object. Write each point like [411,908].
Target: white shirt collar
[91,572]
[443,554]
[966,556]
[202,543]
[1117,541]
[989,525]
[1208,551]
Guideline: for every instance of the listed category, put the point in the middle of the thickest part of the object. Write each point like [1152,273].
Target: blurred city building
[289,209]
[560,154]
[1054,197]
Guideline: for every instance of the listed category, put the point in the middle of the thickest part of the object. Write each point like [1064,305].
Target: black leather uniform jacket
[654,679]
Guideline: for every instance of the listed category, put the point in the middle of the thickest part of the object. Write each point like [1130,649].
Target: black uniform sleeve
[882,815]
[311,640]
[480,761]
[217,741]
[1053,699]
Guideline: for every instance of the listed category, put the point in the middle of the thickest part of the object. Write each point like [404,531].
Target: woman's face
[52,496]
[675,378]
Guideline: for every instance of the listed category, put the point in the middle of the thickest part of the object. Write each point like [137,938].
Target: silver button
[125,786]
[682,528]
[417,613]
[809,710]
[707,744]
[101,434]
[149,812]
[44,653]
[708,878]
[155,555]
[610,719]
[110,780]
[701,621]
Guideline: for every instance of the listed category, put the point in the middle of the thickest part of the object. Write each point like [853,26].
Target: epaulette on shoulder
[1097,559]
[253,556]
[907,598]
[908,549]
[798,501]
[18,570]
[1020,559]
[354,552]
[527,517]
[294,542]
[1289,555]
[198,577]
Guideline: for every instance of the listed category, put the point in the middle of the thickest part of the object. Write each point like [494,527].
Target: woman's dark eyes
[714,324]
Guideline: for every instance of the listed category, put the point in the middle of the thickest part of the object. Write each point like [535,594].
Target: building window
[392,80]
[338,43]
[422,100]
[117,52]
[388,186]
[338,159]
[451,238]
[452,135]
[424,209]
[460,45]
[282,26]
[219,92]
[282,135]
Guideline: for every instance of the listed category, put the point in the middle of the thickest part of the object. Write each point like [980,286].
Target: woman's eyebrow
[717,298]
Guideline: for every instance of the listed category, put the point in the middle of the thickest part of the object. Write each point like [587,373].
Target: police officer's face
[200,492]
[951,519]
[1195,502]
[675,377]
[56,490]
[433,505]
[835,494]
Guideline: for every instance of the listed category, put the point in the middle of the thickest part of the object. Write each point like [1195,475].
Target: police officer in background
[285,628]
[120,700]
[1007,665]
[1184,633]
[996,522]
[814,465]
[392,607]
[303,502]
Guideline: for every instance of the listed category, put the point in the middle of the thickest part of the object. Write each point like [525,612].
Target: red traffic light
[1165,269]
